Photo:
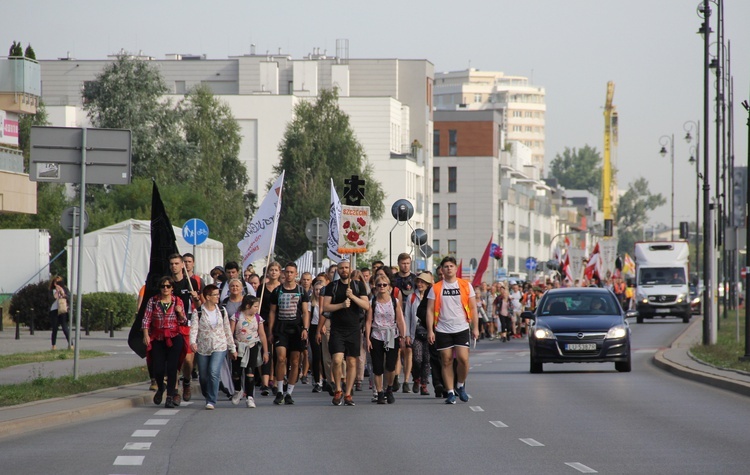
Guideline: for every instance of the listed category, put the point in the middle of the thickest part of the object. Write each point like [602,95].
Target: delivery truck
[661,280]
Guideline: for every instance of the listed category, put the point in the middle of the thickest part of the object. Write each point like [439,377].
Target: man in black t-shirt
[289,321]
[343,299]
[185,291]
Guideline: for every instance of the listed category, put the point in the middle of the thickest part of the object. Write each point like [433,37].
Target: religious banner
[608,249]
[354,229]
[577,256]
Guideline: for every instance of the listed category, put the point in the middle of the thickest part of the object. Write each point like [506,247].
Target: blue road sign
[195,231]
[530,263]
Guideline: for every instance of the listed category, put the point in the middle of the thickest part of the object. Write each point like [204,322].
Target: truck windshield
[661,276]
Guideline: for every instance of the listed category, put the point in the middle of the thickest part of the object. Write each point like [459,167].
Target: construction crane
[610,142]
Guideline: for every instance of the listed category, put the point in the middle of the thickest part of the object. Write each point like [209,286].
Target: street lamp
[695,152]
[663,152]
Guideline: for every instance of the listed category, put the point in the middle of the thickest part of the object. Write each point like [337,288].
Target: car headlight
[696,301]
[617,331]
[680,298]
[543,333]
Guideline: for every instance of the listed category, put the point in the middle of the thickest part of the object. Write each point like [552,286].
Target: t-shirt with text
[452,315]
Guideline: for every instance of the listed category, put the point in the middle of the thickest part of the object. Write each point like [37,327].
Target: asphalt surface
[47,414]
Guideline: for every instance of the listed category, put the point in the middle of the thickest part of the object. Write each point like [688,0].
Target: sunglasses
[166,287]
[381,285]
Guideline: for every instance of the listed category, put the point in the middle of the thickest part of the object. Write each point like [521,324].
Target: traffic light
[739,196]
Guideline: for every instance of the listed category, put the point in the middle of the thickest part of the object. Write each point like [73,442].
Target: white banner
[260,234]
[577,257]
[333,226]
[608,250]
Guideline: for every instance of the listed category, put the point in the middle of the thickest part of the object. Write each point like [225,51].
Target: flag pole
[273,240]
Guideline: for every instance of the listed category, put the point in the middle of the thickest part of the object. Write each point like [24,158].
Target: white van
[661,280]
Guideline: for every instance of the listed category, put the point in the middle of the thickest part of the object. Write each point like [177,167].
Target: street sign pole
[80,253]
[72,272]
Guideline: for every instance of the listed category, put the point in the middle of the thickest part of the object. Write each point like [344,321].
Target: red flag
[566,269]
[482,265]
[459,272]
[594,264]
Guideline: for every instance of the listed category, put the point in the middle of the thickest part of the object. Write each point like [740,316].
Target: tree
[319,144]
[29,53]
[578,169]
[632,213]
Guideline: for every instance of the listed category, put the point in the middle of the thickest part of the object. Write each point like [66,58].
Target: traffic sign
[530,263]
[195,231]
[69,219]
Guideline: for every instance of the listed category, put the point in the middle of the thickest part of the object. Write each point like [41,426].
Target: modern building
[389,102]
[522,104]
[20,88]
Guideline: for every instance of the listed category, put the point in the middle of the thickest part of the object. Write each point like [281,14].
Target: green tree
[29,53]
[578,169]
[318,144]
[632,213]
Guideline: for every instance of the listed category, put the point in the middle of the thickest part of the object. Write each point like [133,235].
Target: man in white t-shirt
[515,300]
[451,323]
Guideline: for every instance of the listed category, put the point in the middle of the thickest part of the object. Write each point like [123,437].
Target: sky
[650,49]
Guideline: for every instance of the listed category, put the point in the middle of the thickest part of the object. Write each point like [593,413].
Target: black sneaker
[288,400]
[264,390]
[395,386]
[316,388]
[381,398]
[389,397]
[278,399]
[439,390]
[170,403]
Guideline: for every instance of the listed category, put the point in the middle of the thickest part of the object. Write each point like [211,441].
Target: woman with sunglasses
[385,322]
[161,335]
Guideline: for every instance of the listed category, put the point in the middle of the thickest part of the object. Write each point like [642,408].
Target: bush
[35,300]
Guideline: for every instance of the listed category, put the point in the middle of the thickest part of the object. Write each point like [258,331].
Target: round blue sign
[530,263]
[195,231]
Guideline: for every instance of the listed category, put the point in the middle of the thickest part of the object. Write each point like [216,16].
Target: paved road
[571,419]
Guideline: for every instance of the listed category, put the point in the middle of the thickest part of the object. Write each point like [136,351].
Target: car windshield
[661,276]
[578,304]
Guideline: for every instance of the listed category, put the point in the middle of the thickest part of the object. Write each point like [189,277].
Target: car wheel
[686,317]
[535,367]
[639,319]
[623,366]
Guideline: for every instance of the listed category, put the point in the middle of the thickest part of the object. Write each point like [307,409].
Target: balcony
[11,160]
[20,85]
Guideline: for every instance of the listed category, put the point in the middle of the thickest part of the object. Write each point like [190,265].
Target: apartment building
[389,102]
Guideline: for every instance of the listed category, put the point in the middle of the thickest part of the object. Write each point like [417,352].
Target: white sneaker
[209,407]
[250,402]
[236,398]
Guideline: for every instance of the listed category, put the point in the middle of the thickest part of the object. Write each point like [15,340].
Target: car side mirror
[631,314]
[529,315]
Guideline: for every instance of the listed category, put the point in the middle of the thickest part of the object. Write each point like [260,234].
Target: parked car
[579,325]
[696,302]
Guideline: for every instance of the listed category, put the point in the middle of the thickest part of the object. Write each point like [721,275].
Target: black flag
[163,244]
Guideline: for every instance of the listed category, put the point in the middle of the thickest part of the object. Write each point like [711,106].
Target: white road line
[498,424]
[137,446]
[470,368]
[129,460]
[532,442]
[580,467]
[476,408]
[166,412]
[183,403]
[156,422]
[478,365]
[145,433]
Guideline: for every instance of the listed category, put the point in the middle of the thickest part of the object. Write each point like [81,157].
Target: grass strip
[48,388]
[727,350]
[44,356]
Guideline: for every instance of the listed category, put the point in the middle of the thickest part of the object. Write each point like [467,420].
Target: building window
[452,215]
[436,143]
[436,179]
[477,98]
[517,128]
[436,246]
[516,113]
[452,178]
[452,142]
[452,247]
[435,215]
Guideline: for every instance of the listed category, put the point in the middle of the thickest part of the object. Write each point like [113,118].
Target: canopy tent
[116,258]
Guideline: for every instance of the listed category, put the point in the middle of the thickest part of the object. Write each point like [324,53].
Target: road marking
[580,467]
[183,403]
[166,412]
[478,365]
[137,446]
[145,433]
[476,408]
[532,442]
[129,460]
[470,368]
[156,422]
[498,424]
[645,350]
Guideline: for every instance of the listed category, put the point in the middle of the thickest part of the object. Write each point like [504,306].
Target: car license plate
[580,346]
[662,310]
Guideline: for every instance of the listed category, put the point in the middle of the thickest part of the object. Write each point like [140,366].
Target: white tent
[116,258]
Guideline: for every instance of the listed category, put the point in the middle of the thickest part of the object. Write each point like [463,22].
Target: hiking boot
[288,400]
[405,388]
[462,394]
[278,399]
[348,400]
[250,402]
[236,398]
[415,386]
[423,390]
[169,404]
[451,399]
[153,386]
[337,397]
[176,399]
[389,396]
[187,392]
[380,398]
[158,396]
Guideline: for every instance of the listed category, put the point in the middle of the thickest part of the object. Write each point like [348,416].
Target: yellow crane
[610,141]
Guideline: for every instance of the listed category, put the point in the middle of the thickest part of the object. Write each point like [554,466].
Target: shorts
[445,341]
[348,342]
[289,336]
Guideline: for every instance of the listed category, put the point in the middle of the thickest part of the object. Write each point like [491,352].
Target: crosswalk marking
[476,408]
[532,442]
[129,460]
[145,433]
[580,467]
[156,422]
[137,446]
[498,424]
[166,412]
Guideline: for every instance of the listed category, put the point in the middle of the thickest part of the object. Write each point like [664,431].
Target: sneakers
[170,403]
[462,394]
[358,386]
[264,390]
[451,399]
[380,398]
[158,397]
[317,388]
[236,398]
[187,392]
[423,390]
[405,388]
[415,386]
[209,407]
[389,396]
[303,379]
[395,387]
[153,386]
[337,397]
[374,397]
[288,400]
[250,402]
[348,400]
[278,399]
[439,390]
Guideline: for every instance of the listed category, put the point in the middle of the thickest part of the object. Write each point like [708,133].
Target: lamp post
[746,356]
[704,12]
[695,152]
[663,152]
